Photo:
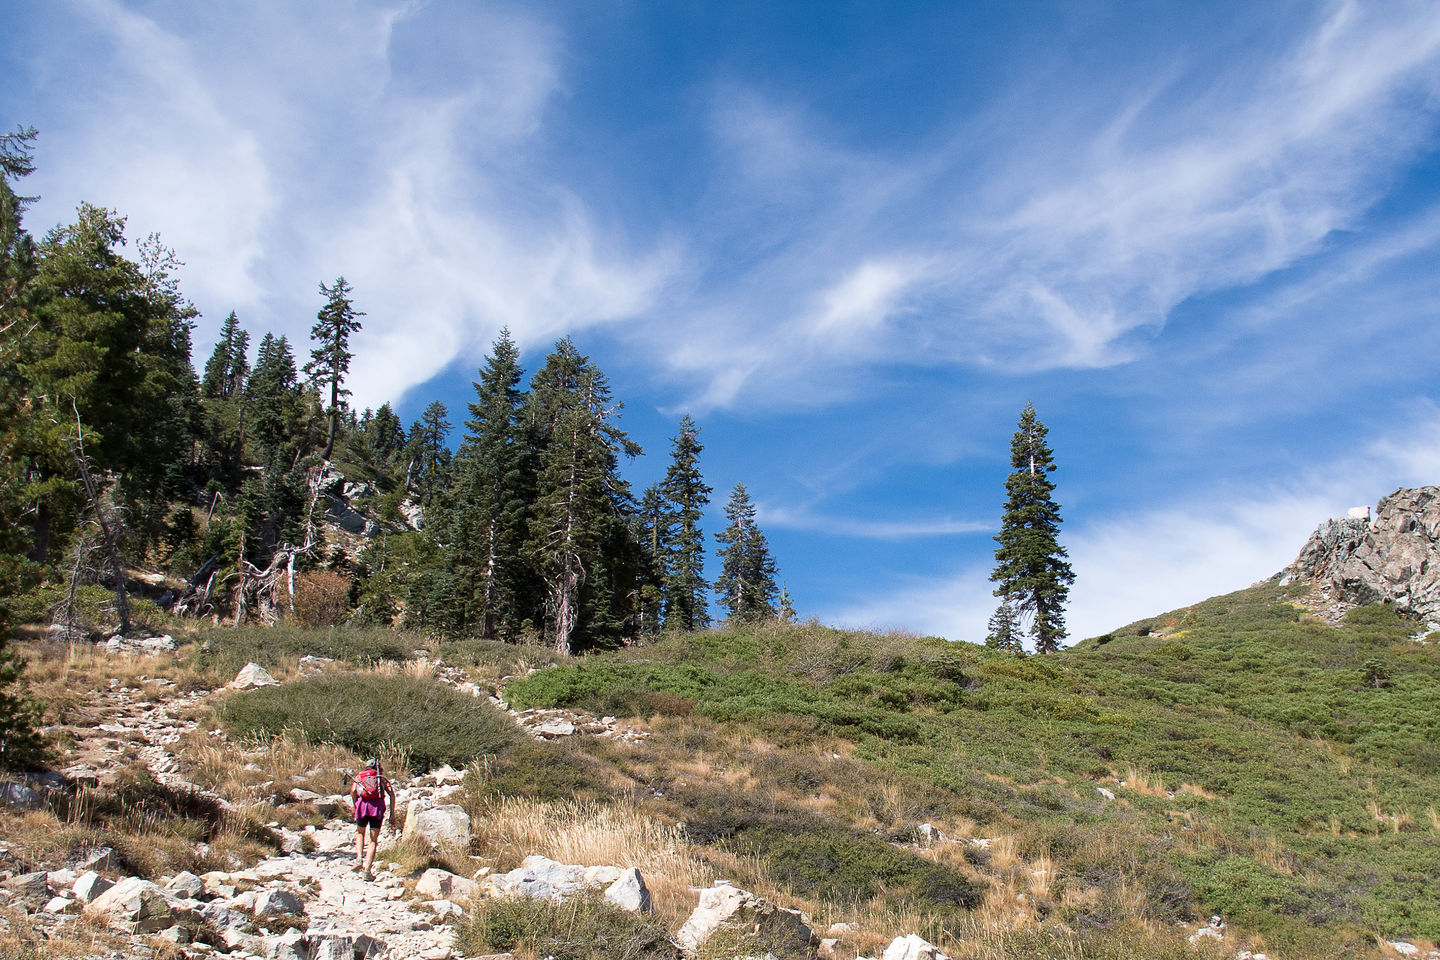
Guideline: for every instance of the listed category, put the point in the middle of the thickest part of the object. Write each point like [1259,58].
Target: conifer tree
[429,454]
[20,744]
[494,485]
[685,492]
[652,529]
[330,359]
[273,392]
[1031,568]
[581,504]
[746,584]
[227,367]
[1004,630]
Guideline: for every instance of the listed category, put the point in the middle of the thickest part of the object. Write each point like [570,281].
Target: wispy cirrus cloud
[1076,238]
[391,142]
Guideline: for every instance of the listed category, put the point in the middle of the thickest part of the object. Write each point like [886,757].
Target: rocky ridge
[1392,557]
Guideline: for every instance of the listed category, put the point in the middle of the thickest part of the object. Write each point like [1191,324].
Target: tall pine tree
[1031,570]
[494,486]
[330,359]
[686,494]
[746,584]
[581,505]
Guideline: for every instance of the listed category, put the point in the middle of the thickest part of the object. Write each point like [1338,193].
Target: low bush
[321,599]
[425,720]
[223,651]
[582,928]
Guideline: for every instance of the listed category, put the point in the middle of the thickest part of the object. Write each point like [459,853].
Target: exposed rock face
[1393,558]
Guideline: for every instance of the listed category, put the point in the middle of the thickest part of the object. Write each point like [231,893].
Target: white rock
[90,885]
[726,906]
[629,892]
[60,879]
[1206,933]
[252,675]
[436,884]
[139,903]
[1404,948]
[290,945]
[186,885]
[149,646]
[1107,794]
[929,833]
[913,947]
[555,728]
[60,905]
[445,826]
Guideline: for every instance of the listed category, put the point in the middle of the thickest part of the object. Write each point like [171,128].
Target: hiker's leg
[359,842]
[374,843]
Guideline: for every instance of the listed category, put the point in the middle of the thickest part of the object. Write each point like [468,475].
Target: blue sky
[851,239]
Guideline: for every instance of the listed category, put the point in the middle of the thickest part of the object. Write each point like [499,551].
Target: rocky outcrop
[541,878]
[1392,558]
[755,923]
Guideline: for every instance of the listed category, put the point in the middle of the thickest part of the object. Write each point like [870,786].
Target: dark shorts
[371,822]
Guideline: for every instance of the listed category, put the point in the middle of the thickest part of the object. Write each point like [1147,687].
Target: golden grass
[1195,790]
[507,829]
[1434,816]
[1142,781]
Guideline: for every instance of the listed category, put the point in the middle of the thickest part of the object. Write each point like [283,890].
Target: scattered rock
[149,646]
[752,918]
[541,878]
[20,795]
[252,675]
[913,947]
[929,834]
[1107,794]
[186,885]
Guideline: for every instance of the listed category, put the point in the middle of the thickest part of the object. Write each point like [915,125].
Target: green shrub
[582,928]
[424,719]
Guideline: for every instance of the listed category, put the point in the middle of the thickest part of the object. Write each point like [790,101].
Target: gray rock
[269,903]
[291,945]
[330,946]
[57,905]
[1394,558]
[20,796]
[31,886]
[90,885]
[541,878]
[758,922]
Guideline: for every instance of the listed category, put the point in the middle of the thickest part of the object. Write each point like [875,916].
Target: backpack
[369,783]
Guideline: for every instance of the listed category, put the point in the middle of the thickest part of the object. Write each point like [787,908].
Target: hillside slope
[1236,757]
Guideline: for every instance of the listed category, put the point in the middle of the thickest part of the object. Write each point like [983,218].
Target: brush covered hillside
[1237,759]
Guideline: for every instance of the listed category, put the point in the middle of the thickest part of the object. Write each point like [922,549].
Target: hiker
[368,794]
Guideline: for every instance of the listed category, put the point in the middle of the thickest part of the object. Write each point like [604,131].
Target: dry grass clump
[508,829]
[79,938]
[154,829]
[321,599]
[240,772]
[1143,782]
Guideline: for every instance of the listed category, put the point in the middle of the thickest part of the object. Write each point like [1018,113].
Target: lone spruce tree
[330,360]
[685,491]
[1031,570]
[746,584]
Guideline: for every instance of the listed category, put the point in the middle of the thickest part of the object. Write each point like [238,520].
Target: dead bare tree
[110,526]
